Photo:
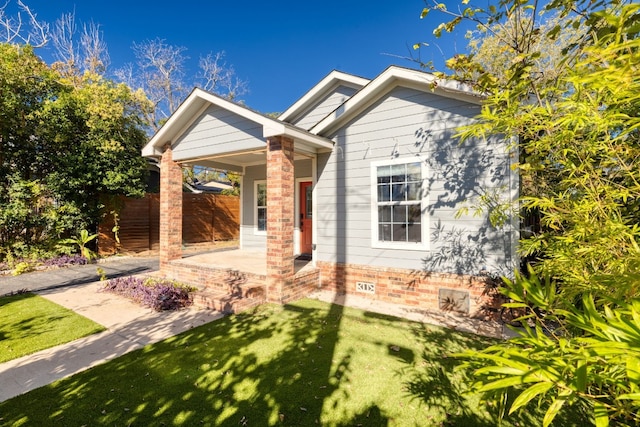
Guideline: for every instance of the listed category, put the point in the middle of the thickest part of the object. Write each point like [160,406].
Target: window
[398,203]
[261,206]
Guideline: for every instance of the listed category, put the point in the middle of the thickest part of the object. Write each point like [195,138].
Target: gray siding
[251,240]
[212,133]
[405,124]
[325,106]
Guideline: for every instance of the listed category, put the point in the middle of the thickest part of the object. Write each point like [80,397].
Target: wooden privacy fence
[205,218]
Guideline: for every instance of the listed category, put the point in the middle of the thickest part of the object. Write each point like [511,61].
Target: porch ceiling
[236,161]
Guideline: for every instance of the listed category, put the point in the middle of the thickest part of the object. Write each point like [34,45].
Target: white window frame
[424,218]
[255,207]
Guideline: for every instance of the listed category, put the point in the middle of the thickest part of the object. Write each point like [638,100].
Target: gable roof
[389,79]
[319,91]
[199,100]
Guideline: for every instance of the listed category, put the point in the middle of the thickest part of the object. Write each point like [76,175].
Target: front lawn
[30,323]
[303,364]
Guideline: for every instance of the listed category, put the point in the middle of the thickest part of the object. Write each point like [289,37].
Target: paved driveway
[77,275]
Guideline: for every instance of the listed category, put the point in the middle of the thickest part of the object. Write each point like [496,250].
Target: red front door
[306,214]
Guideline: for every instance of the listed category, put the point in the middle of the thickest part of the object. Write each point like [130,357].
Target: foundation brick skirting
[228,280]
[408,287]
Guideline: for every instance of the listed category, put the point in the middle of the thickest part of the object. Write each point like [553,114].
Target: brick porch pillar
[280,217]
[170,208]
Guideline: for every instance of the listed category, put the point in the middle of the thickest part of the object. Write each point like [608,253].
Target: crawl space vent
[452,300]
[367,288]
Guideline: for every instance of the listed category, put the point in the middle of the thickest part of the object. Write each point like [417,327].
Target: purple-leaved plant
[64,260]
[159,295]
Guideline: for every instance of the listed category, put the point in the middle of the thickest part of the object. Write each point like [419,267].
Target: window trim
[257,231]
[424,218]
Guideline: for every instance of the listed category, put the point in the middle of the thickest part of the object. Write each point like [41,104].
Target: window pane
[399,214]
[414,172]
[384,232]
[262,195]
[398,191]
[384,174]
[399,173]
[309,203]
[384,214]
[414,233]
[413,191]
[399,233]
[384,191]
[262,219]
[414,214]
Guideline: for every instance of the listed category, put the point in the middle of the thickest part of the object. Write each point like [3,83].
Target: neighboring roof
[199,100]
[389,79]
[215,187]
[319,91]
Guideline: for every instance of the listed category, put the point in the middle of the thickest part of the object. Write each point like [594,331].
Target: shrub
[159,295]
[22,267]
[65,260]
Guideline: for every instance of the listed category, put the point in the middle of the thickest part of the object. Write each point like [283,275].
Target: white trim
[255,207]
[424,203]
[329,82]
[314,200]
[297,241]
[514,181]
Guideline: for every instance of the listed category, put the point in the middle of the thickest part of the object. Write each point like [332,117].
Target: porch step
[244,297]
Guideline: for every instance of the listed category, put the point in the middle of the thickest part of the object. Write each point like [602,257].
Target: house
[364,178]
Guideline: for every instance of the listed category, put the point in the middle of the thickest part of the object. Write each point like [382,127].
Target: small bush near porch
[303,364]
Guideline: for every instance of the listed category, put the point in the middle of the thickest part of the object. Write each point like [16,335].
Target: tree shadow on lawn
[276,366]
[307,363]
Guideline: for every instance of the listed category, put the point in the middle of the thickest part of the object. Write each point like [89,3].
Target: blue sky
[282,48]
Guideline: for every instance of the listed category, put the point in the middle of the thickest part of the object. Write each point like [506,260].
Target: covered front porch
[241,260]
[277,165]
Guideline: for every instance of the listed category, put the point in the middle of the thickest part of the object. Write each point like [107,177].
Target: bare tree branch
[220,78]
[161,76]
[63,39]
[94,49]
[36,34]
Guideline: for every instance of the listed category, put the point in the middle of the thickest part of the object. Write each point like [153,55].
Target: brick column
[170,208]
[280,217]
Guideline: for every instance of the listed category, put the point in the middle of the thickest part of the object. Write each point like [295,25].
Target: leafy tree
[95,133]
[578,134]
[64,144]
[27,82]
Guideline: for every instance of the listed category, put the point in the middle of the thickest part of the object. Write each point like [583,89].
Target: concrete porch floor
[246,261]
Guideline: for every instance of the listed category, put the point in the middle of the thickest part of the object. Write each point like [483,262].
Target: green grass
[303,364]
[30,323]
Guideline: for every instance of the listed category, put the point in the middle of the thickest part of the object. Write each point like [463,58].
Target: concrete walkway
[129,326]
